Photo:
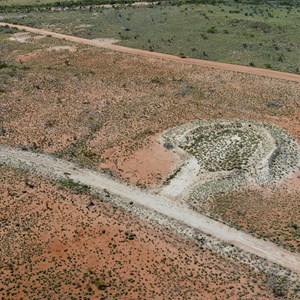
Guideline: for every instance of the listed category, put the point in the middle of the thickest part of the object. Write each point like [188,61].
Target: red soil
[146,166]
[52,245]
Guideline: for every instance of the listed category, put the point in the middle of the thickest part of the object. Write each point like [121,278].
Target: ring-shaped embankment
[230,152]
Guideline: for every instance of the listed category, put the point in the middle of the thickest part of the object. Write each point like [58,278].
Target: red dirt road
[190,61]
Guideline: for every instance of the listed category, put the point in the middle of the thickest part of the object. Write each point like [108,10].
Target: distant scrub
[64,3]
[231,31]
[253,2]
[72,3]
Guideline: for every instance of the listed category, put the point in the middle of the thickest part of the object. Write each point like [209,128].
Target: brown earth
[268,213]
[146,166]
[95,106]
[52,245]
[156,208]
[86,104]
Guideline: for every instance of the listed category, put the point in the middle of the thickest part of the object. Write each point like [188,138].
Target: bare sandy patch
[62,48]
[35,54]
[106,41]
[184,179]
[148,165]
[27,57]
[84,26]
[139,4]
[24,37]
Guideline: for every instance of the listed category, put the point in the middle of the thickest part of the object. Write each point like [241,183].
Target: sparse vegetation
[242,147]
[239,32]
[232,153]
[70,250]
[76,187]
[99,108]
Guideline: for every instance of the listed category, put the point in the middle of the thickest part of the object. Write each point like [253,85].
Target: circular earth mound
[241,150]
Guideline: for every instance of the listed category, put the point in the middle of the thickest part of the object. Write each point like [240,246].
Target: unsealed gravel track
[57,168]
[190,61]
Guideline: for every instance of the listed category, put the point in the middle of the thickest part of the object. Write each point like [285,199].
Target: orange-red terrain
[106,110]
[97,106]
[53,245]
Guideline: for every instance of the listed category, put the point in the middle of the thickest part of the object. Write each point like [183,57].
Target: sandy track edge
[57,168]
[189,61]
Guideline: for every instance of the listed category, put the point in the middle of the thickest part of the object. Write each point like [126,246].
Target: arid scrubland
[257,33]
[81,104]
[102,110]
[55,243]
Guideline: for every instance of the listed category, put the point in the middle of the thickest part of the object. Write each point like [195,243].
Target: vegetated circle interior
[262,151]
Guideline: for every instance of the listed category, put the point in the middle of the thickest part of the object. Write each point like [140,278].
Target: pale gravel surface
[57,168]
[184,179]
[190,61]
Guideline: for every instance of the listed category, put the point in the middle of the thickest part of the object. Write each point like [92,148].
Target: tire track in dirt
[57,168]
[149,54]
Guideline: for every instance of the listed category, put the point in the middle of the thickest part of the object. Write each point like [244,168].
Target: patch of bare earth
[58,244]
[147,166]
[62,48]
[24,37]
[23,58]
[106,41]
